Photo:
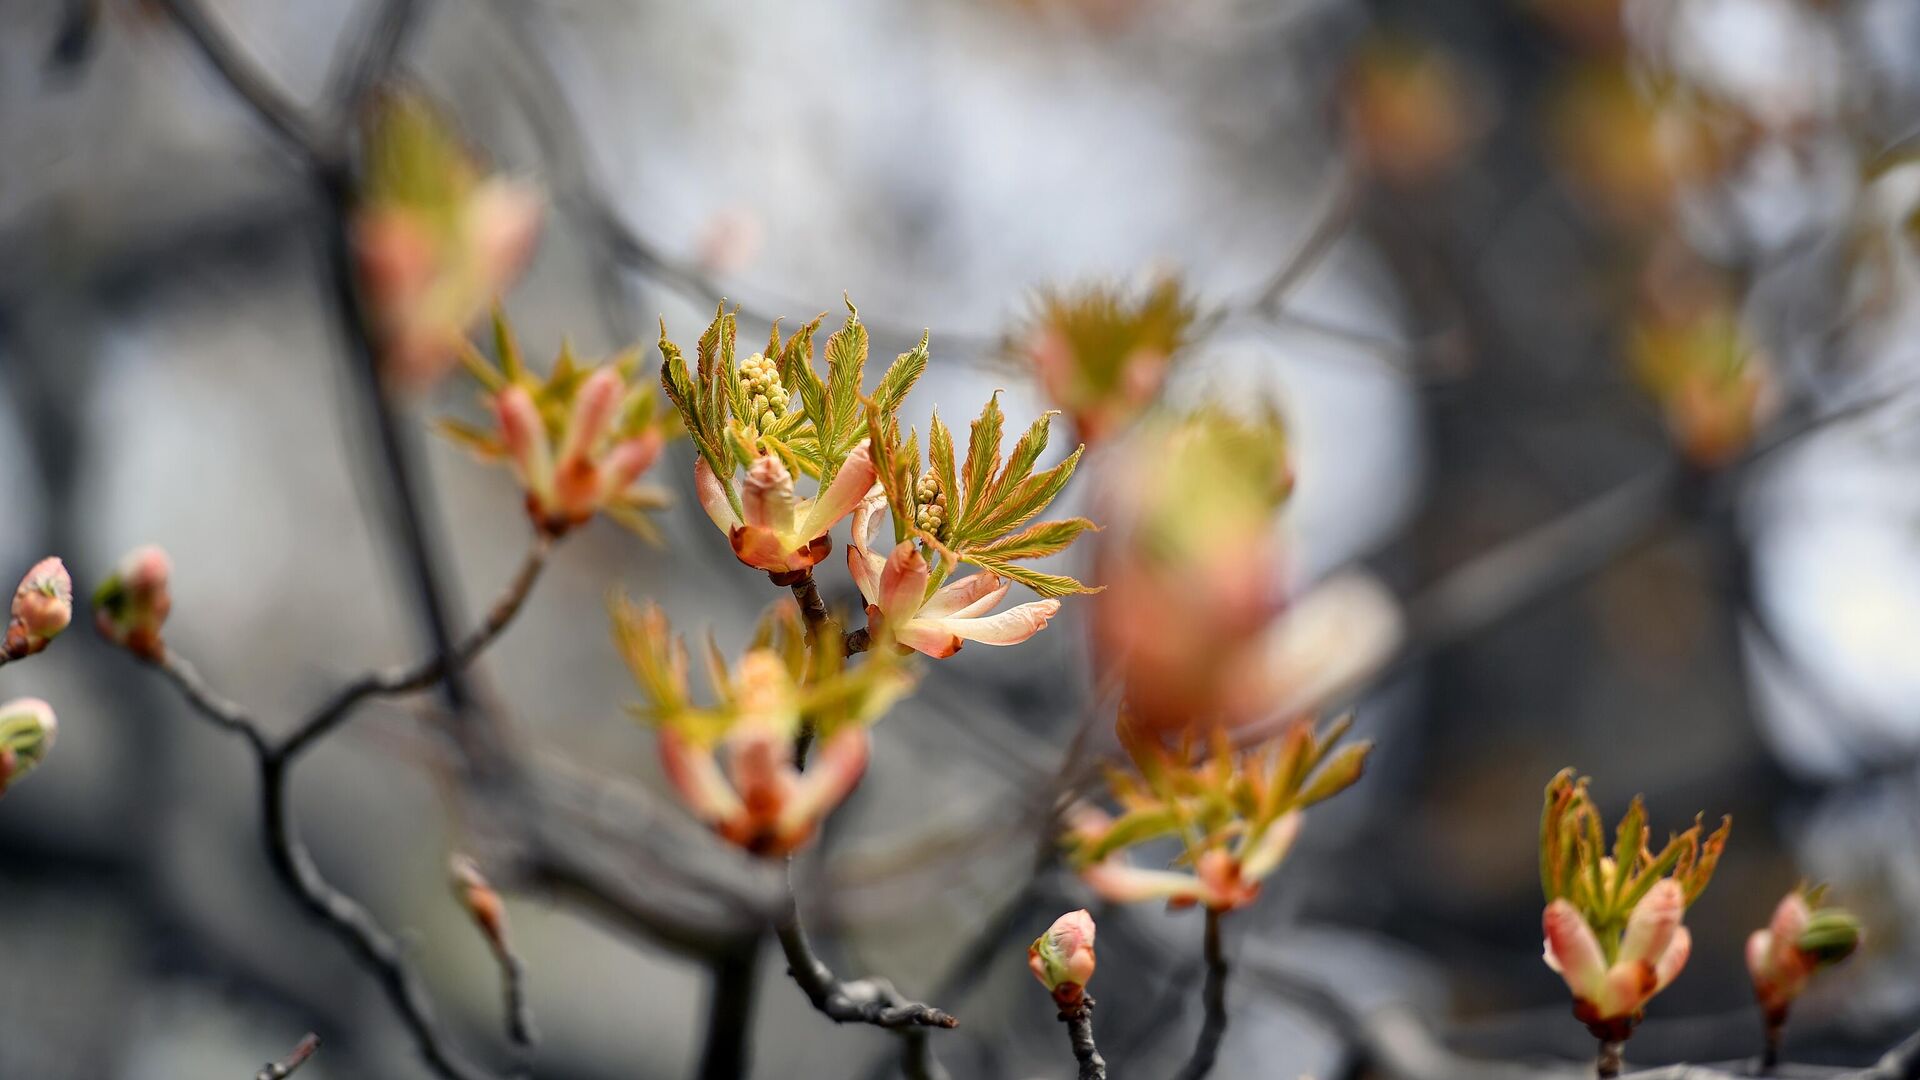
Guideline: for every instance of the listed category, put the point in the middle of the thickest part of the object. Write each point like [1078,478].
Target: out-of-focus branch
[916,1057]
[1329,224]
[378,950]
[280,1070]
[422,674]
[252,85]
[1542,562]
[734,975]
[220,710]
[1206,1049]
[357,73]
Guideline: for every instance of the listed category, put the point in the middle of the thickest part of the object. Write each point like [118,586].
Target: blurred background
[1475,251]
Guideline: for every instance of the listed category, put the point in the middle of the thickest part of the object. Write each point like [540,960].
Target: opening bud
[42,607]
[1062,958]
[27,728]
[131,605]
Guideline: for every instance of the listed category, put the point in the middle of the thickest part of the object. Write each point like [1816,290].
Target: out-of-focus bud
[730,241]
[1062,958]
[1629,156]
[1408,110]
[1798,941]
[1196,619]
[1689,351]
[436,241]
[132,604]
[1103,355]
[1259,794]
[483,904]
[577,440]
[42,607]
[27,728]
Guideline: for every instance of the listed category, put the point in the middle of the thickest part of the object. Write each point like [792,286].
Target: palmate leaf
[983,461]
[988,500]
[686,397]
[1039,540]
[1017,504]
[897,465]
[845,420]
[940,458]
[796,370]
[900,377]
[1050,586]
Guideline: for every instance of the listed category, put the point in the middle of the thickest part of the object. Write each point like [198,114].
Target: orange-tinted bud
[42,607]
[1062,958]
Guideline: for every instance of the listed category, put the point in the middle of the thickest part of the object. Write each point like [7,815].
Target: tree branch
[293,863]
[361,70]
[280,1070]
[734,975]
[288,121]
[820,628]
[225,713]
[916,1057]
[377,950]
[513,987]
[1214,996]
[871,1000]
[1079,1021]
[422,674]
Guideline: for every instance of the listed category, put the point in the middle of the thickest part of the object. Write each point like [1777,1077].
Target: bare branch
[359,70]
[253,86]
[294,864]
[227,714]
[734,974]
[377,950]
[1214,996]
[1079,1021]
[422,674]
[871,1000]
[280,1070]
[916,1057]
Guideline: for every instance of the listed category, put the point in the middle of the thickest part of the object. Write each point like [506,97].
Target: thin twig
[1079,1021]
[359,72]
[228,714]
[519,1005]
[872,1000]
[268,101]
[424,673]
[280,1070]
[916,1057]
[378,950]
[1214,997]
[1330,224]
